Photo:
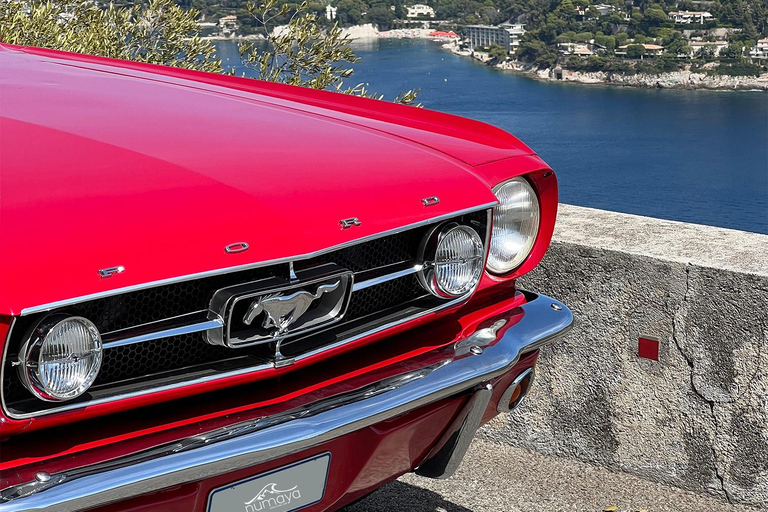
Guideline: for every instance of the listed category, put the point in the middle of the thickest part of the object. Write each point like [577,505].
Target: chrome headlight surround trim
[29,357]
[521,256]
[427,274]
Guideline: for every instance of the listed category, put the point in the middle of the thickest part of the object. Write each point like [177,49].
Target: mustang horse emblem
[282,311]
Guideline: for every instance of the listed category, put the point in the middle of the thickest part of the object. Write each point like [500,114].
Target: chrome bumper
[468,366]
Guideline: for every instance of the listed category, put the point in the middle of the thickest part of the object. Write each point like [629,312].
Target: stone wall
[698,417]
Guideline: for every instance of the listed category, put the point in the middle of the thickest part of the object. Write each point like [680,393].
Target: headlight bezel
[428,275]
[522,255]
[30,358]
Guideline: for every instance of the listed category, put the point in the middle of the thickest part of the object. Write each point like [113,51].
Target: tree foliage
[161,32]
[303,53]
[497,54]
[635,51]
[738,69]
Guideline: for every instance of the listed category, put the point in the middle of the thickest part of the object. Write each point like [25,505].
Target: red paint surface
[123,173]
[648,348]
[106,163]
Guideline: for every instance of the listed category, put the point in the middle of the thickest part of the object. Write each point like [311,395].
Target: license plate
[282,490]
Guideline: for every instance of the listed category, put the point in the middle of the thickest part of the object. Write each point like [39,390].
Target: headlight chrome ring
[516,221]
[452,260]
[61,358]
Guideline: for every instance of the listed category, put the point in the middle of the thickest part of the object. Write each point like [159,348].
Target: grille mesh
[135,308]
[158,357]
[375,253]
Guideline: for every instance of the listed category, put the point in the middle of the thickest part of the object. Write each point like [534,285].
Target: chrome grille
[386,292]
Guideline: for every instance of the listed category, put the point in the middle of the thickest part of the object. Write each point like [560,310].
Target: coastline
[354,32]
[250,37]
[683,80]
[369,31]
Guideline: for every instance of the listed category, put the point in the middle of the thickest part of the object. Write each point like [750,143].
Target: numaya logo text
[272,498]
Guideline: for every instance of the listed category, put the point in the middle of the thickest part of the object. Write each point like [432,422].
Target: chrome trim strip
[198,275]
[207,325]
[248,444]
[217,323]
[114,338]
[362,285]
[6,344]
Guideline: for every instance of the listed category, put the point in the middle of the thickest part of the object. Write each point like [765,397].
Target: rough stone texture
[697,418]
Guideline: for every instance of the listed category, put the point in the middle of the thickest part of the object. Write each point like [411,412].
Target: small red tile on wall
[648,348]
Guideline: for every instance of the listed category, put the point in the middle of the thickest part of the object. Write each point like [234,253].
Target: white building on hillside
[580,49]
[420,11]
[650,49]
[717,47]
[760,51]
[506,35]
[228,25]
[330,12]
[686,17]
[604,9]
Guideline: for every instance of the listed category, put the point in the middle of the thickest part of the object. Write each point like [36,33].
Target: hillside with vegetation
[547,19]
[349,12]
[614,36]
[726,38]
[604,26]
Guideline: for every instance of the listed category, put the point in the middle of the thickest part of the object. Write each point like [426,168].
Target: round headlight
[452,261]
[515,225]
[61,358]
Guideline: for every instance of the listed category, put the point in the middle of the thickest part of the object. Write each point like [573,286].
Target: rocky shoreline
[686,79]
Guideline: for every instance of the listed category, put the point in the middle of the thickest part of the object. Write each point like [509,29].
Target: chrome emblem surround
[274,309]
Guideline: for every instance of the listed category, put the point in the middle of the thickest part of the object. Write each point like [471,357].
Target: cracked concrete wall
[698,417]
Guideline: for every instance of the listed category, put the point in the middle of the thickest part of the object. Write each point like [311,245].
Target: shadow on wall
[402,496]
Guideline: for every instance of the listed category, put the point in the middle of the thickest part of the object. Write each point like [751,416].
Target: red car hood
[108,164]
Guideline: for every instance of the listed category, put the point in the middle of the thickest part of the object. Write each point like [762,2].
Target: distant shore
[250,37]
[684,79]
[369,31]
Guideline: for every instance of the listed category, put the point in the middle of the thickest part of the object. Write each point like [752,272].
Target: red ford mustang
[219,294]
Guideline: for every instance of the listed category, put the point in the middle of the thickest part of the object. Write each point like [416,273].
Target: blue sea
[694,156]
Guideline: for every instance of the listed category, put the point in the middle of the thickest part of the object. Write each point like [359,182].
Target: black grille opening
[372,254]
[152,304]
[143,365]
